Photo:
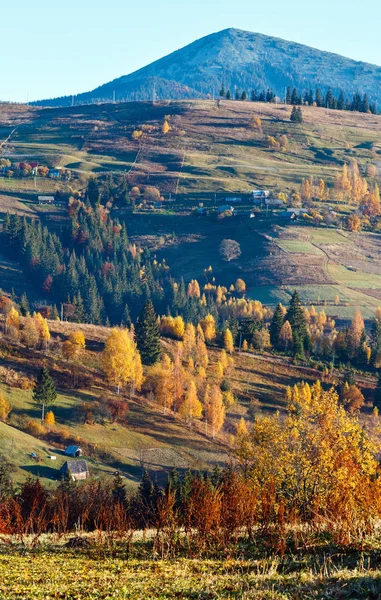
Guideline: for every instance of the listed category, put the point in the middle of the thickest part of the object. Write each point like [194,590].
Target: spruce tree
[148,335]
[222,91]
[288,95]
[44,393]
[296,317]
[119,489]
[6,487]
[294,97]
[276,326]
[24,305]
[341,101]
[319,98]
[293,117]
[228,95]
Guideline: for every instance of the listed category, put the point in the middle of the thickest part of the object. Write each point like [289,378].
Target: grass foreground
[77,574]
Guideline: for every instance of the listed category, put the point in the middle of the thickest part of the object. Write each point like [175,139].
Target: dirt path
[4,142]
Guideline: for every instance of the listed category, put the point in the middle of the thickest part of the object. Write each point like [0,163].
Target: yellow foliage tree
[165,127]
[319,455]
[209,328]
[189,341]
[193,289]
[30,334]
[49,420]
[5,409]
[121,360]
[78,339]
[164,384]
[214,410]
[13,319]
[240,286]
[228,341]
[191,407]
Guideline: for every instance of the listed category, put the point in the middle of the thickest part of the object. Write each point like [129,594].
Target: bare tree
[229,250]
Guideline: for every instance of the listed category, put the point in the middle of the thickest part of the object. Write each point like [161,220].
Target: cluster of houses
[261,199]
[32,169]
[75,469]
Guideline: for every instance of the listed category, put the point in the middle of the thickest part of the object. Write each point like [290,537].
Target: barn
[76,469]
[74,451]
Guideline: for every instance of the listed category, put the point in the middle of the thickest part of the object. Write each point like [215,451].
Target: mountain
[236,58]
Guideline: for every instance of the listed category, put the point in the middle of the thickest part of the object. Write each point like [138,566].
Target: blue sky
[52,49]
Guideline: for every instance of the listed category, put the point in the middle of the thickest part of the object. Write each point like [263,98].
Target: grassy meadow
[53,571]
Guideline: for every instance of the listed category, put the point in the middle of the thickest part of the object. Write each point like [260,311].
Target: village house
[75,469]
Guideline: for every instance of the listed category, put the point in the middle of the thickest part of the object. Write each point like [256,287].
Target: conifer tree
[147,333]
[24,305]
[119,490]
[276,326]
[297,319]
[44,393]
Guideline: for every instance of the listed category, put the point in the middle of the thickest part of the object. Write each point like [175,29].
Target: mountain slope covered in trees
[239,59]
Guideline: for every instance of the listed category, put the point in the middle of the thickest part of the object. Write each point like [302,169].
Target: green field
[296,247]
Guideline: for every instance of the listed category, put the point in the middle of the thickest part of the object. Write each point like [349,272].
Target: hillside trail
[326,260]
[4,142]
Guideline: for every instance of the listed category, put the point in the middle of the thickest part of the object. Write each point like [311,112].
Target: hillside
[210,153]
[147,439]
[238,59]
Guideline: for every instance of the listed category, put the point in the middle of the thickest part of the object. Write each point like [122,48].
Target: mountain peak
[239,59]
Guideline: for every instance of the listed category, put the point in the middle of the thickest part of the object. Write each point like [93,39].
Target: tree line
[358,102]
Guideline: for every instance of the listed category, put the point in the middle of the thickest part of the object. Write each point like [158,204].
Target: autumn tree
[214,410]
[189,341]
[5,409]
[228,341]
[165,127]
[191,407]
[229,250]
[209,328]
[164,383]
[49,420]
[13,319]
[121,360]
[285,336]
[148,335]
[30,333]
[201,352]
[42,328]
[352,398]
[356,331]
[318,455]
[240,286]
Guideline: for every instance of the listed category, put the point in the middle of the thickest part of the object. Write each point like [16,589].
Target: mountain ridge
[239,59]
